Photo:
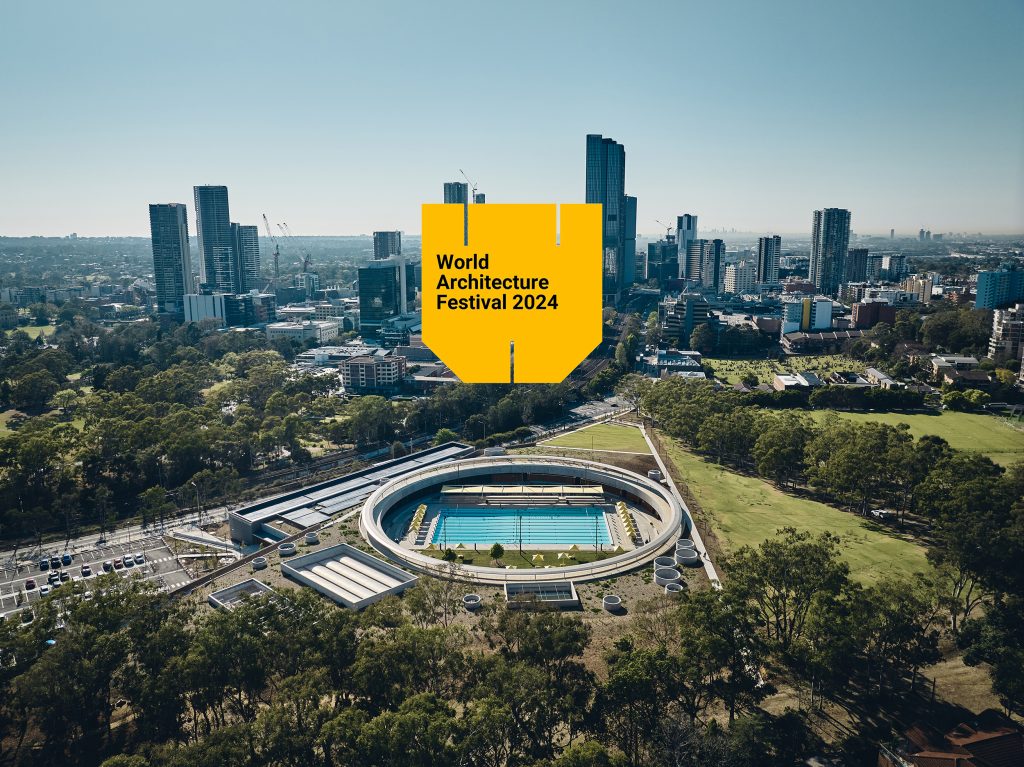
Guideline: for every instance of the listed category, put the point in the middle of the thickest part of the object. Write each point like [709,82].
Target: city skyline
[911,115]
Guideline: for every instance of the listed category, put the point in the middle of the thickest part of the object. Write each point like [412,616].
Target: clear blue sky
[341,118]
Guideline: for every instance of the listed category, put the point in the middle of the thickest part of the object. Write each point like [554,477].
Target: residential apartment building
[1007,331]
[372,373]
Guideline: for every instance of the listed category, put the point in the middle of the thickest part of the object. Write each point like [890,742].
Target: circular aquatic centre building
[557,519]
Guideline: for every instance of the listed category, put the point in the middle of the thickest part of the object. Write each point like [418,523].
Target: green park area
[1001,439]
[604,436]
[731,371]
[746,511]
[34,331]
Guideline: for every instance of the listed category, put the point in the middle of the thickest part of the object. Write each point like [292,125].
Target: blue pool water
[557,525]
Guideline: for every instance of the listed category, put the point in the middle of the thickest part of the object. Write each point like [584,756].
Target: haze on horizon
[343,118]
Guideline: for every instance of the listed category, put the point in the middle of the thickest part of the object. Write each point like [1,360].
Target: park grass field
[999,438]
[34,331]
[603,436]
[731,371]
[746,511]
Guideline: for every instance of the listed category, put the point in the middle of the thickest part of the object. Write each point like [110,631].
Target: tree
[782,577]
[497,552]
[34,390]
[445,435]
[901,634]
[639,688]
[997,639]
[418,734]
[702,338]
[781,445]
[634,388]
[622,358]
[64,399]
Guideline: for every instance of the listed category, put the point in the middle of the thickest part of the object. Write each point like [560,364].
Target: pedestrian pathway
[709,566]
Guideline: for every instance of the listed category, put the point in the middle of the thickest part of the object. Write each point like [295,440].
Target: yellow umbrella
[538,557]
[563,555]
[461,546]
[431,547]
[574,547]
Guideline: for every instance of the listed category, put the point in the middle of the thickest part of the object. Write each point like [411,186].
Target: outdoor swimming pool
[555,525]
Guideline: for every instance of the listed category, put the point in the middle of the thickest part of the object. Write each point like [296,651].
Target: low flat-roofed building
[544,594]
[799,343]
[348,576]
[809,379]
[943,362]
[230,597]
[783,381]
[315,330]
[669,361]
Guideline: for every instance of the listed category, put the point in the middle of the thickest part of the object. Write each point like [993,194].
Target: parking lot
[160,566]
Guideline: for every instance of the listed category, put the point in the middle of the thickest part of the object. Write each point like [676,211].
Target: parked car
[118,565]
[44,564]
[128,560]
[140,559]
[65,576]
[44,590]
[67,559]
[108,566]
[86,571]
[53,577]
[54,563]
[30,584]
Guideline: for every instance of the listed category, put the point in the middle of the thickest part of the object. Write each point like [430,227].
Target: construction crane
[277,251]
[472,186]
[307,258]
[668,229]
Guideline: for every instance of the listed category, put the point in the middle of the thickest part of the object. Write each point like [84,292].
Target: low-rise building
[806,343]
[376,373]
[942,363]
[662,362]
[878,378]
[990,739]
[229,310]
[319,331]
[867,314]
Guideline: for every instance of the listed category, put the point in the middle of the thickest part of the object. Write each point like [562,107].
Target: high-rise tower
[830,238]
[769,250]
[606,184]
[686,233]
[172,257]
[216,243]
[246,257]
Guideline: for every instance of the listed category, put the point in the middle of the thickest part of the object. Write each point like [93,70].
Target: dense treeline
[297,681]
[972,507]
[147,418]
